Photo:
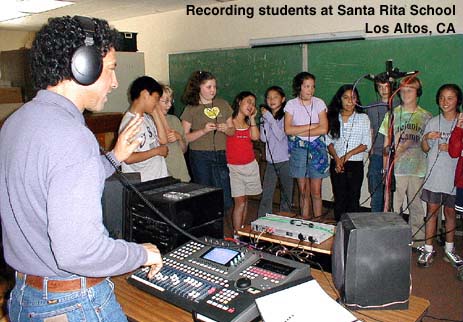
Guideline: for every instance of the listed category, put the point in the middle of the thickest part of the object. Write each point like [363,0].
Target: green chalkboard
[252,69]
[438,59]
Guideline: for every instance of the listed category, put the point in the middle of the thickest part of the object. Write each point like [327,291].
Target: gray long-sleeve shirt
[51,181]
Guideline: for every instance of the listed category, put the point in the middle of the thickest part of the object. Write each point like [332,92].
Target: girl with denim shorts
[306,124]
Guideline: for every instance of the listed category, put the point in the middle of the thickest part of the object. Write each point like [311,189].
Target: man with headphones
[52,177]
[404,138]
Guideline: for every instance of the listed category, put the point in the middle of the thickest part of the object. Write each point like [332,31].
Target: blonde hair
[167,89]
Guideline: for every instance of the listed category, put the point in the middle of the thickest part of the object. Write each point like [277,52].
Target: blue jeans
[375,183]
[95,304]
[210,168]
[270,181]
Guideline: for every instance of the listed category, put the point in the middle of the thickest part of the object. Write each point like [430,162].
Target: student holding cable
[439,189]
[348,140]
[272,132]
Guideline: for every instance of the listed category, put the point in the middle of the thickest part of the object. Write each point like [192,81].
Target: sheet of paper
[301,303]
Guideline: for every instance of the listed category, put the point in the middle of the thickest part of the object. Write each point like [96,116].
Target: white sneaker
[425,258]
[453,258]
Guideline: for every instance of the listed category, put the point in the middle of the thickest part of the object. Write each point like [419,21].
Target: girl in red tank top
[244,170]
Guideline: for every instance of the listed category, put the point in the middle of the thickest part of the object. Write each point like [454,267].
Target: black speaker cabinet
[195,208]
[113,205]
[371,261]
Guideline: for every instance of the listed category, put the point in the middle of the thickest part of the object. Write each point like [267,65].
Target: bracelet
[254,125]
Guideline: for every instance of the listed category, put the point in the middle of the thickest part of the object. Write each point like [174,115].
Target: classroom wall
[11,40]
[173,32]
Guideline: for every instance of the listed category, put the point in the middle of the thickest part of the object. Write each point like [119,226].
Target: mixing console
[218,281]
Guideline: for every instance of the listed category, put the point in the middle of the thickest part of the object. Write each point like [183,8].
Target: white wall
[161,34]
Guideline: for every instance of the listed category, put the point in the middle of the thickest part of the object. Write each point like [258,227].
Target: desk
[142,307]
[323,248]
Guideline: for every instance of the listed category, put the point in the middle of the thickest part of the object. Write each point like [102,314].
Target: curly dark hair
[56,42]
[335,107]
[191,93]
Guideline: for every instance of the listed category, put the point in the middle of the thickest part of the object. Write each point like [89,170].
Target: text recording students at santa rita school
[306,124]
[52,177]
[242,164]
[439,188]
[149,159]
[348,140]
[272,132]
[409,159]
[207,121]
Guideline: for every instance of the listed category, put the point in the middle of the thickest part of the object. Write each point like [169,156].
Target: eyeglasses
[167,102]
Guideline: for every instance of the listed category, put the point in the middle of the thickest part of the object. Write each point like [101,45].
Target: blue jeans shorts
[300,165]
[97,303]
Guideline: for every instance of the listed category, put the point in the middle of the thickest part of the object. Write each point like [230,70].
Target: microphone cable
[277,171]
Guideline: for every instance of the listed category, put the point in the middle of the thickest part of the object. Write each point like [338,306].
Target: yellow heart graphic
[212,112]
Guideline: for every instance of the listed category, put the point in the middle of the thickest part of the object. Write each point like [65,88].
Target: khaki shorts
[245,179]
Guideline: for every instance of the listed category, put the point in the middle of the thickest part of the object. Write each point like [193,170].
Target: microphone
[389,67]
[391,74]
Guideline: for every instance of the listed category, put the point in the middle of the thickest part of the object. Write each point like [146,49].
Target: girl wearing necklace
[207,122]
[439,189]
[306,124]
[348,140]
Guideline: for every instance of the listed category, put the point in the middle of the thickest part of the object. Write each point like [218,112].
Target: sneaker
[425,258]
[418,249]
[453,258]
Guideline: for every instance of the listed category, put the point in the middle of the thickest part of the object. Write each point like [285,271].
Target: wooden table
[143,307]
[323,248]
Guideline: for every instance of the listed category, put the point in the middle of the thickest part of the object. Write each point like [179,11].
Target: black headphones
[419,90]
[86,62]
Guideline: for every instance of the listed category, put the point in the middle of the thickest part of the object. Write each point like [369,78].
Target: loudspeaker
[371,261]
[113,204]
[128,41]
[195,208]
[86,62]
